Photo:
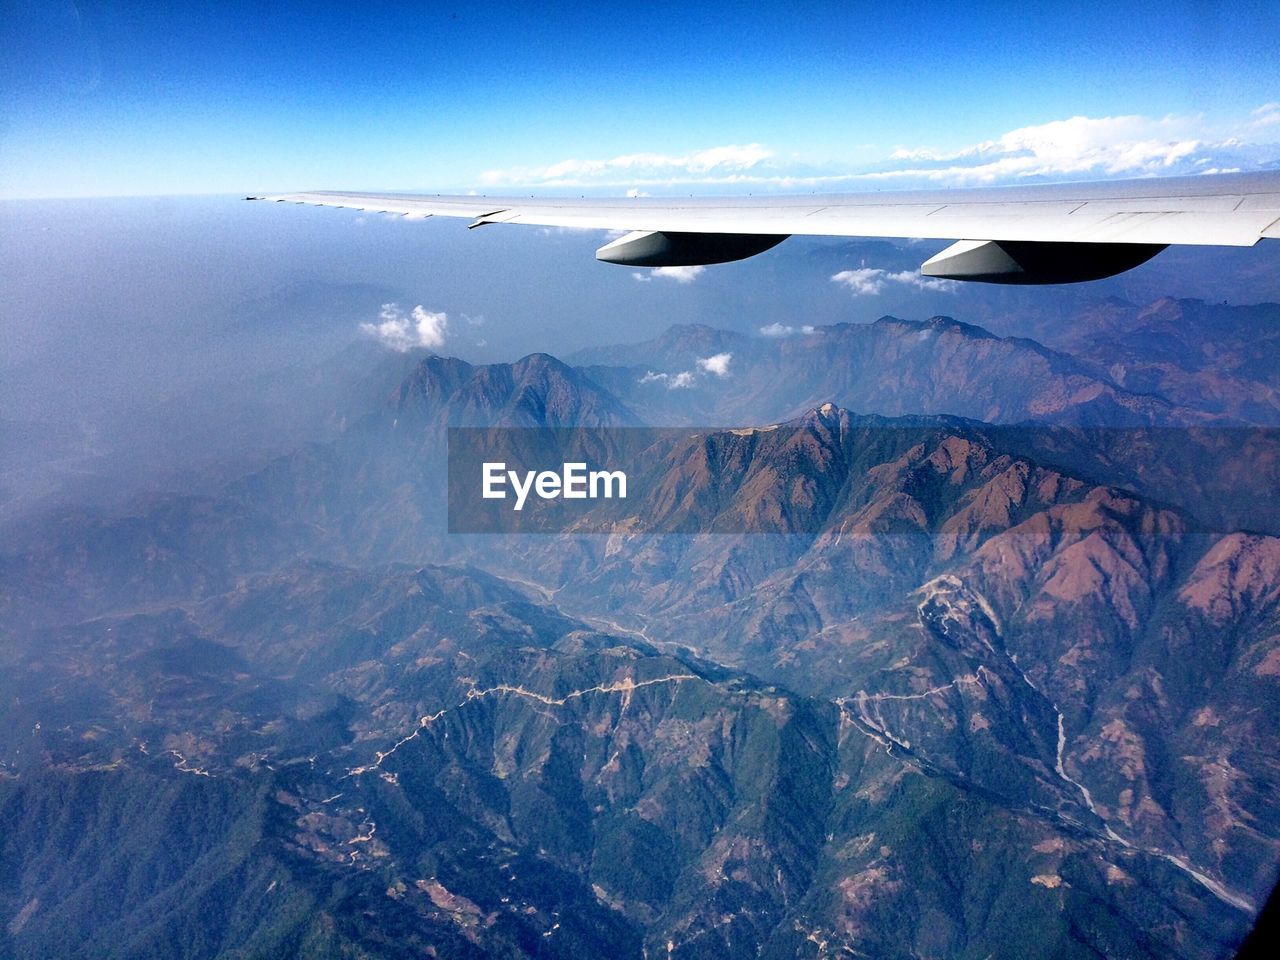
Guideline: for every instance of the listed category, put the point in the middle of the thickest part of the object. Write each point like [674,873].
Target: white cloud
[1085,147]
[678,274]
[673,381]
[635,168]
[871,281]
[1266,115]
[717,364]
[914,278]
[784,330]
[402,332]
[1078,147]
[865,282]
[1133,145]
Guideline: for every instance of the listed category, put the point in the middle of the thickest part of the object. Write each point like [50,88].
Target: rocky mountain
[1216,357]
[1180,435]
[1109,363]
[374,493]
[891,367]
[905,682]
[410,760]
[537,391]
[929,569]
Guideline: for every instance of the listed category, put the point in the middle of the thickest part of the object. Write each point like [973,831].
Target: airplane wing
[1044,233]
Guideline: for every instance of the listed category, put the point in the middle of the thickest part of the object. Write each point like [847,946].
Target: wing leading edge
[1045,233]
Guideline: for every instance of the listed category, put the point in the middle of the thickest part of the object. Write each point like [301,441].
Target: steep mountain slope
[406,761]
[1215,357]
[1173,400]
[1010,623]
[538,391]
[916,686]
[892,367]
[375,493]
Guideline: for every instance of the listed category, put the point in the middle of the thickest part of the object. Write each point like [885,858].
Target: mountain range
[967,651]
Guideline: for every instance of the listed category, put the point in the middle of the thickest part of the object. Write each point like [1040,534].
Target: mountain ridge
[969,695]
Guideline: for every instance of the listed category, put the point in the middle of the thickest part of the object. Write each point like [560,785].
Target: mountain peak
[935,324]
[543,362]
[536,390]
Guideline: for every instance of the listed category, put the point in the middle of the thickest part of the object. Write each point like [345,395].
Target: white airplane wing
[1045,233]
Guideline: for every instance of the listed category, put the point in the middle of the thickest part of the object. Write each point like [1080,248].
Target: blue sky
[106,99]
